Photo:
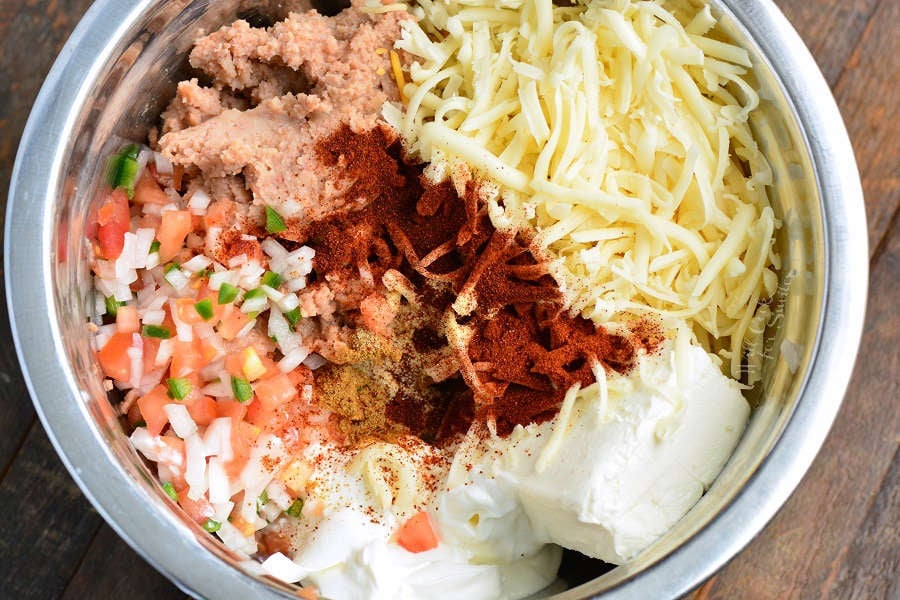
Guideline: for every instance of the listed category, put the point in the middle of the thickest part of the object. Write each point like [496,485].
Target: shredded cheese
[619,131]
[389,475]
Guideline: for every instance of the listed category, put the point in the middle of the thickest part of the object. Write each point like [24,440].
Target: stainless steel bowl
[110,83]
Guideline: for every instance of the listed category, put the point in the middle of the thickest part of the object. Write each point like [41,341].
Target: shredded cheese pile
[618,131]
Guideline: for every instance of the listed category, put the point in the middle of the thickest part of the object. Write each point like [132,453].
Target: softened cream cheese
[607,477]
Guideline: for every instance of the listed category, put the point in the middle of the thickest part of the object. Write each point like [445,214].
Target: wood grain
[868,94]
[809,545]
[47,523]
[45,25]
[868,571]
[813,547]
[16,412]
[110,565]
[836,538]
[831,30]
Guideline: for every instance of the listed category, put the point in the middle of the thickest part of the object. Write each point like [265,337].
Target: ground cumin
[524,350]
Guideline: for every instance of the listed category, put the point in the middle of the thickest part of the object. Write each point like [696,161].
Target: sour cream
[607,478]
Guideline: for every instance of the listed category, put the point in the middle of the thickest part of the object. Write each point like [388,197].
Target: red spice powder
[524,351]
[233,244]
[535,353]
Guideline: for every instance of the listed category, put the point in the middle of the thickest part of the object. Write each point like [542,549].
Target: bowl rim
[155,535]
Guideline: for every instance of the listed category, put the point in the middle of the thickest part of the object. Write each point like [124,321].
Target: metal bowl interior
[111,82]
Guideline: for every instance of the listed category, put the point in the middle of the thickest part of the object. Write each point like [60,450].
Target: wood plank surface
[868,93]
[45,25]
[836,538]
[48,524]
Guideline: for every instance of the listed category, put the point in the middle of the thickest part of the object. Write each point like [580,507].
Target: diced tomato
[221,213]
[127,320]
[152,409]
[242,437]
[199,510]
[151,350]
[186,311]
[417,534]
[233,320]
[270,365]
[186,358]
[208,351]
[113,221]
[173,228]
[272,392]
[113,356]
[204,293]
[203,410]
[147,190]
[259,414]
[234,365]
[231,408]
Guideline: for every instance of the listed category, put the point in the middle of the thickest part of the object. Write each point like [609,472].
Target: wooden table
[838,535]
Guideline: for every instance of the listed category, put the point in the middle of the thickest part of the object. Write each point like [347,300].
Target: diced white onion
[237,261]
[219,486]
[266,458]
[136,355]
[199,201]
[273,248]
[293,359]
[177,279]
[184,331]
[143,240]
[196,264]
[278,495]
[219,277]
[295,285]
[251,305]
[234,540]
[273,294]
[282,568]
[154,448]
[314,361]
[166,348]
[288,302]
[153,317]
[217,389]
[223,510]
[217,439]
[180,420]
[163,165]
[250,275]
[143,158]
[195,469]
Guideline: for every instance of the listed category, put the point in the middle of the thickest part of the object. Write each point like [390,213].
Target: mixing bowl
[110,83]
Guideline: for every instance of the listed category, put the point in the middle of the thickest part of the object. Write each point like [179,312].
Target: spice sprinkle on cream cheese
[421,294]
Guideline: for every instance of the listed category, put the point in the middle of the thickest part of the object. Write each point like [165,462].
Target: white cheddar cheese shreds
[618,131]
